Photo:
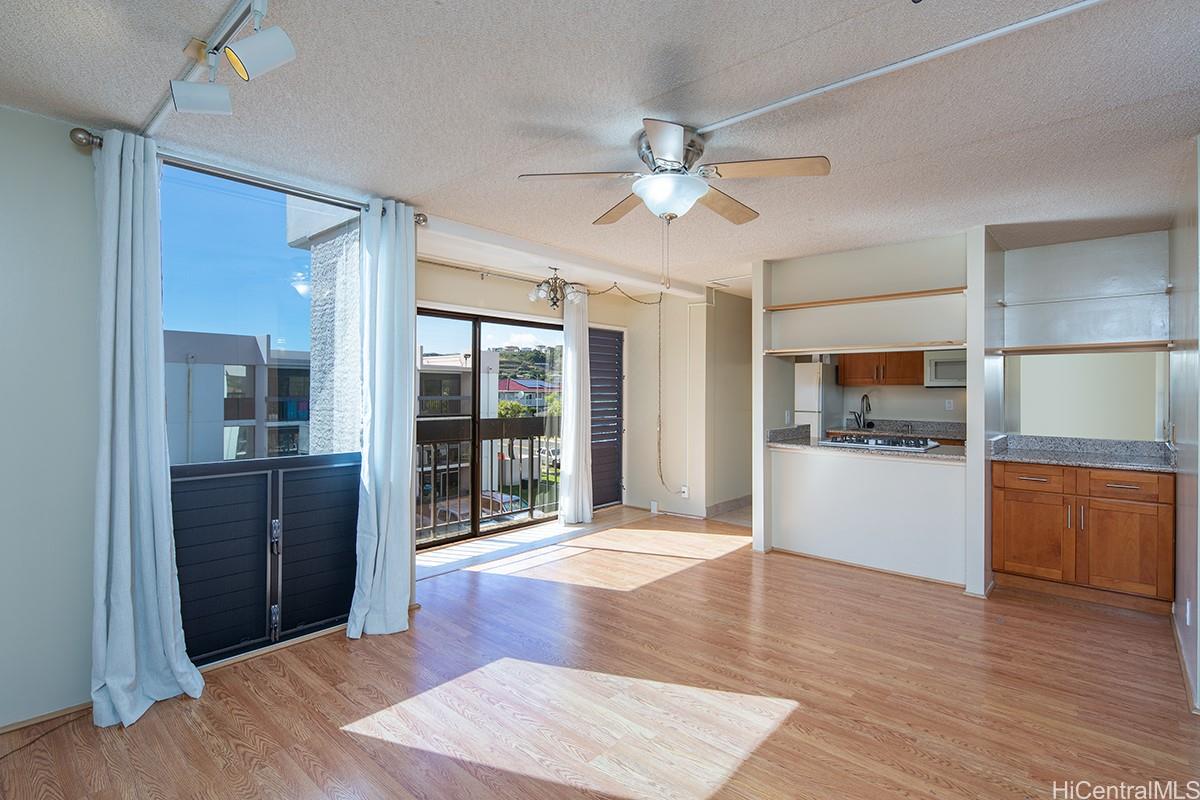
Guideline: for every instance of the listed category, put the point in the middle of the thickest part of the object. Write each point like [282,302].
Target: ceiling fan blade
[619,210]
[802,167]
[568,175]
[666,139]
[727,207]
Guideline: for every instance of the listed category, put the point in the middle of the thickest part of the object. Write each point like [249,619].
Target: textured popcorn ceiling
[1075,128]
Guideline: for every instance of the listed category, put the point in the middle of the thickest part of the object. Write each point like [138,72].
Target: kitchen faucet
[864,408]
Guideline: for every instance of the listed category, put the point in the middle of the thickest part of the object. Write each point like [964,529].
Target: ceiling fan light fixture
[670,193]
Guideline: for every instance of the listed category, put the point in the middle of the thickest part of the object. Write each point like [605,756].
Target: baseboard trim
[225,662]
[49,715]
[1193,702]
[271,648]
[987,591]
[1084,594]
[725,506]
[880,570]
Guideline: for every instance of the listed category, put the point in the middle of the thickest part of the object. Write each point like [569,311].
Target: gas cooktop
[868,441]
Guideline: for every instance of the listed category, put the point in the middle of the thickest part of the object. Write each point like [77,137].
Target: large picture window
[260,310]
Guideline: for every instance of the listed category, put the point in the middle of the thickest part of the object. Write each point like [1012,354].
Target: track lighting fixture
[262,51]
[202,98]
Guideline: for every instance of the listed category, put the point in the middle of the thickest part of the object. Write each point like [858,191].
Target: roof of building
[526,385]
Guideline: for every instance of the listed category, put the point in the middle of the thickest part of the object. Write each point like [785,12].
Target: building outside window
[260,310]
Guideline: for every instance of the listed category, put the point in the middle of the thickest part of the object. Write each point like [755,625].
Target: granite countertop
[1087,453]
[946,454]
[1086,459]
[909,427]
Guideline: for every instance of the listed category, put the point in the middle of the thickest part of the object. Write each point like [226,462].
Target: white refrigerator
[818,402]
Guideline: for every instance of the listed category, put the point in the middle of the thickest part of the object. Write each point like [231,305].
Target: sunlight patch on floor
[598,569]
[622,559]
[684,544]
[620,736]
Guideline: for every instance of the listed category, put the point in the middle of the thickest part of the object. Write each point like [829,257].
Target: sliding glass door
[445,428]
[488,421]
[520,417]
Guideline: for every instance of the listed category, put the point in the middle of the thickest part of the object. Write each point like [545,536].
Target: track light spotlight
[262,51]
[202,98]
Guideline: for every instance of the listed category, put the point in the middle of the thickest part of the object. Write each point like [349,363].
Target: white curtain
[383,583]
[138,653]
[575,477]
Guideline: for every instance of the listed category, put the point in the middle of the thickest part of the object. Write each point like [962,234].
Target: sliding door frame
[477,321]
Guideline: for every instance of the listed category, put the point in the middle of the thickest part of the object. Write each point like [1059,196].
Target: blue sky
[226,264]
[227,268]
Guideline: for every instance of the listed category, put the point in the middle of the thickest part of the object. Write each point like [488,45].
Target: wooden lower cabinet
[1034,538]
[1127,547]
[1058,532]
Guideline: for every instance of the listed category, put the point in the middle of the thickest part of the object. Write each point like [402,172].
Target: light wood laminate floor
[664,658]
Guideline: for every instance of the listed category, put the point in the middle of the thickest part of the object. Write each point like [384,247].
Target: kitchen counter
[1086,453]
[947,454]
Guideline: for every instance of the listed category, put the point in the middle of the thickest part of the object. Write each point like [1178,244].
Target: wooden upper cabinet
[1127,546]
[1032,535]
[904,369]
[860,369]
[882,369]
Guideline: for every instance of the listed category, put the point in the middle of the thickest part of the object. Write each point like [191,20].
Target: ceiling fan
[674,184]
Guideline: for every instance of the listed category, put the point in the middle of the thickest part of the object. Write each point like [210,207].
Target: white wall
[1091,395]
[909,266]
[48,327]
[1088,273]
[1185,414]
[985,399]
[728,399]
[909,402]
[912,523]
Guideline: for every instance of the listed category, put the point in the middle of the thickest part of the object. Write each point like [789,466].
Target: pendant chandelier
[556,290]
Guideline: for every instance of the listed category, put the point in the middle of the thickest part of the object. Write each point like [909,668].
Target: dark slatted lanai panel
[607,360]
[320,521]
[222,550]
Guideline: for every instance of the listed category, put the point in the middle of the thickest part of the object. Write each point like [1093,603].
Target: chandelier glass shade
[556,291]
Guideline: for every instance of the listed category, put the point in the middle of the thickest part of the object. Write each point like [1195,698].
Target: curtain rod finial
[420,219]
[85,138]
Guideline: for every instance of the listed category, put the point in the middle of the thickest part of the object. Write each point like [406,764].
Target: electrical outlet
[653,506]
[683,491]
[949,405]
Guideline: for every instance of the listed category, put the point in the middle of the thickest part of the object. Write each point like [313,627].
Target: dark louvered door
[607,361]
[320,524]
[265,549]
[222,554]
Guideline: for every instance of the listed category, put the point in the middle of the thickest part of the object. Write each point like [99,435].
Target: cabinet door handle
[1033,479]
[1068,516]
[1122,486]
[1081,516]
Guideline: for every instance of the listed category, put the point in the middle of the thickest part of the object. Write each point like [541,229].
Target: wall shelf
[1020,303]
[941,344]
[870,298]
[1153,345]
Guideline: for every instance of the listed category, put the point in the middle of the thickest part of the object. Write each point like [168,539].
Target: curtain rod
[85,138]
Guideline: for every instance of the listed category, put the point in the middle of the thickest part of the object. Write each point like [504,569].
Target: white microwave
[946,368]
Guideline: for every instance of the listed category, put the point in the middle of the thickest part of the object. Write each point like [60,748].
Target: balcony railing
[518,472]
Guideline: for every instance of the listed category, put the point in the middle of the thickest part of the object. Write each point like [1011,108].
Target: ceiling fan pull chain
[664,275]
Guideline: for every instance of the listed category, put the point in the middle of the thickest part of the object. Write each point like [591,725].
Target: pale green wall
[1093,395]
[48,328]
